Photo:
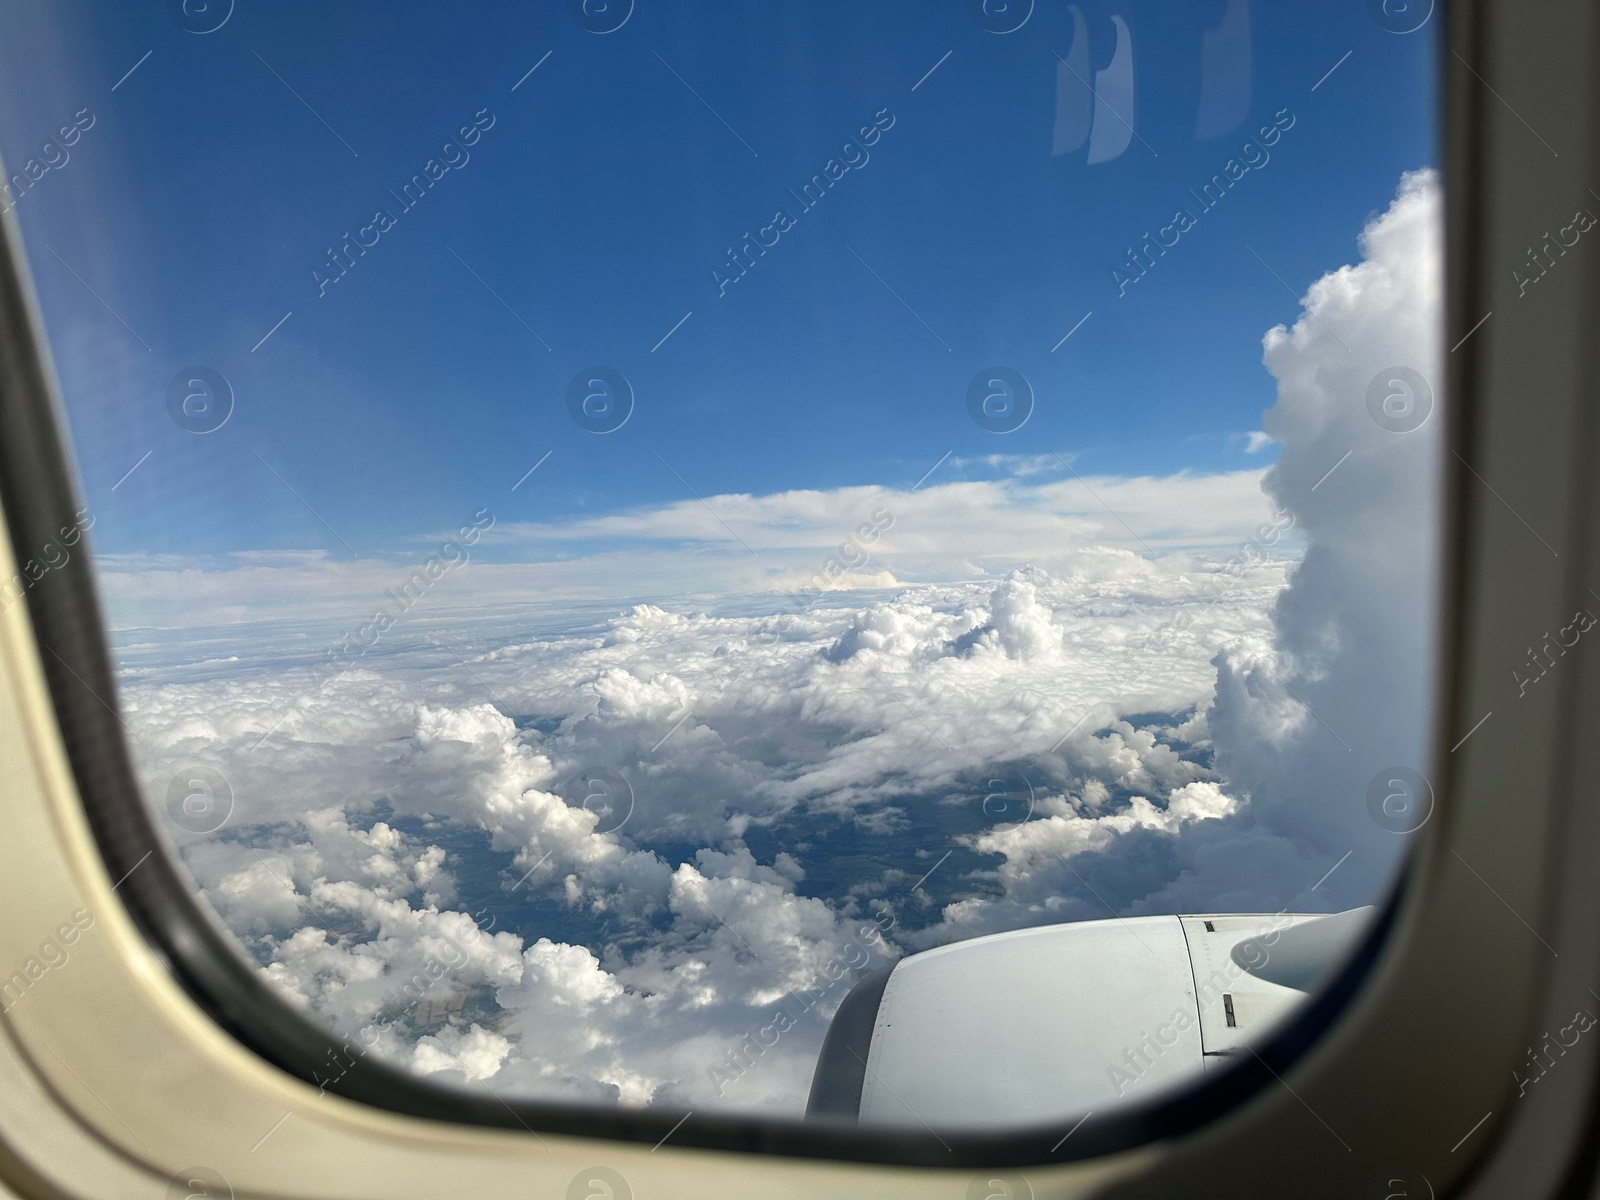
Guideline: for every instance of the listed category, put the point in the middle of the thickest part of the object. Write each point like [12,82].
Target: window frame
[178,972]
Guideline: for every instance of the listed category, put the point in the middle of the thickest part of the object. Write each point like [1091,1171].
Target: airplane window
[864,562]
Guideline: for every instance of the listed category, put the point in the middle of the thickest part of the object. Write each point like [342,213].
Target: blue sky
[408,396]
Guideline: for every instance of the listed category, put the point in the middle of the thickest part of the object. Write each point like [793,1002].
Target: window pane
[620,522]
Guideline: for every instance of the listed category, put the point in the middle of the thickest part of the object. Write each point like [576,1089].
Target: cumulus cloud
[1344,691]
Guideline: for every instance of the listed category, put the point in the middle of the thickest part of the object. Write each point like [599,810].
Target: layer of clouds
[861,713]
[1036,512]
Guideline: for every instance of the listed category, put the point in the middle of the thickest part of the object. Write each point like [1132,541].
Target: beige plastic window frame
[113,1083]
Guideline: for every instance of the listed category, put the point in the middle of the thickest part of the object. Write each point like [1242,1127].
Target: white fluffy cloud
[1345,692]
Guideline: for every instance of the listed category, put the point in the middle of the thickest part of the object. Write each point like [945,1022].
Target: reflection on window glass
[634,535]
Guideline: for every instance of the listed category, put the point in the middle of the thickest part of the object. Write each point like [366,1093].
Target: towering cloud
[1345,692]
